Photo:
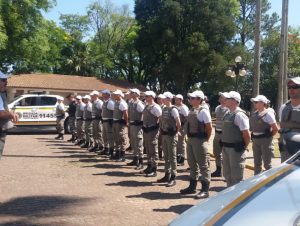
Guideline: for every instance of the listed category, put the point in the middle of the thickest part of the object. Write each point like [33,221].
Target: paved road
[49,182]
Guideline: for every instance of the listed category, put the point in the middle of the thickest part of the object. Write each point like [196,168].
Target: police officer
[160,102]
[220,111]
[151,115]
[169,128]
[79,120]
[198,128]
[107,119]
[263,127]
[6,116]
[235,139]
[72,118]
[60,118]
[120,123]
[87,118]
[135,109]
[96,122]
[183,113]
[289,115]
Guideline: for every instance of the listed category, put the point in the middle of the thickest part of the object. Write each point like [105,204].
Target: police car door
[46,110]
[27,109]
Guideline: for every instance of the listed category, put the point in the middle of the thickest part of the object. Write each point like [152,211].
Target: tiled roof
[68,82]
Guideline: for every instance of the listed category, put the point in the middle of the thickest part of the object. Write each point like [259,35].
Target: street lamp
[236,70]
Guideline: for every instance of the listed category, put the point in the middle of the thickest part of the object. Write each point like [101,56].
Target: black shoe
[139,165]
[85,145]
[165,179]
[104,151]
[92,148]
[111,153]
[217,173]
[191,189]
[134,162]
[203,194]
[59,137]
[172,181]
[180,160]
[116,155]
[122,157]
[152,172]
[79,142]
[71,139]
[147,170]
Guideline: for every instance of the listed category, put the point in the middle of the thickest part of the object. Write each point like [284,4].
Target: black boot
[111,153]
[180,160]
[191,189]
[152,172]
[122,157]
[79,142]
[204,191]
[217,173]
[134,162]
[116,155]
[71,139]
[85,144]
[160,154]
[104,151]
[92,148]
[147,170]
[165,179]
[59,137]
[139,164]
[172,181]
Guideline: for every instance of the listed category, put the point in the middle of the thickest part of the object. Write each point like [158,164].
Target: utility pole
[283,56]
[286,48]
[256,78]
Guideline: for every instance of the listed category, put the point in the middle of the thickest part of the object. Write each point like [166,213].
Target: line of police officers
[104,126]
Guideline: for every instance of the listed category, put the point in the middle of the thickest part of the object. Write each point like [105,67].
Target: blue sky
[79,6]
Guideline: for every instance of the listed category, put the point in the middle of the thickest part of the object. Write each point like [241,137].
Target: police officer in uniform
[151,115]
[220,111]
[169,128]
[183,113]
[235,139]
[135,109]
[263,127]
[289,115]
[160,101]
[60,118]
[79,120]
[107,123]
[198,128]
[6,116]
[87,118]
[96,123]
[72,117]
[120,123]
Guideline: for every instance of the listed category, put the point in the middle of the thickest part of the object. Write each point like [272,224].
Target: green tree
[184,42]
[26,37]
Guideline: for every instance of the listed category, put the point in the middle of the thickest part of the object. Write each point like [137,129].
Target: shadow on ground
[35,208]
[179,209]
[158,196]
[131,183]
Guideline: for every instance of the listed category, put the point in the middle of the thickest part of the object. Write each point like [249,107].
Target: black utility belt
[197,135]
[148,129]
[60,116]
[238,147]
[120,121]
[96,118]
[107,120]
[87,120]
[136,123]
[170,132]
[265,135]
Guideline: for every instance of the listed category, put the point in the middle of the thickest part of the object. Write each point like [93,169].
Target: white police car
[35,110]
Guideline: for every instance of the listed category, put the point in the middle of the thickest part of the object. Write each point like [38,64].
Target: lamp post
[236,70]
